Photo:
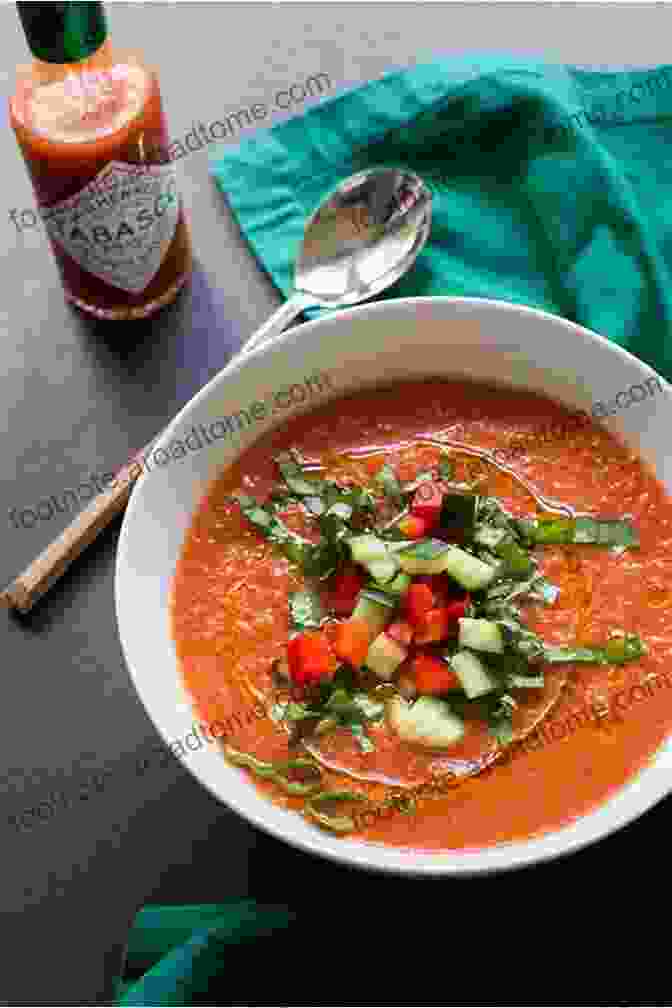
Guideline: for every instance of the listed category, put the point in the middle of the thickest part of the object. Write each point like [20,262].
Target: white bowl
[412,337]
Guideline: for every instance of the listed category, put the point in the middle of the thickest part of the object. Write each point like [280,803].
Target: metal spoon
[365,235]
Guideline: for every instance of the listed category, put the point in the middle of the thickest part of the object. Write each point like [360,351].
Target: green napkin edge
[174,951]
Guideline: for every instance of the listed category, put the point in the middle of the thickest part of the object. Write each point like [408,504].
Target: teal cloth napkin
[552,186]
[185,955]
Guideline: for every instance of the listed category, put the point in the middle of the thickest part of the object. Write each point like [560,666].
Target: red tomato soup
[576,740]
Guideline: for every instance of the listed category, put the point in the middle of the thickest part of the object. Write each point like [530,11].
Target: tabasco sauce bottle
[90,125]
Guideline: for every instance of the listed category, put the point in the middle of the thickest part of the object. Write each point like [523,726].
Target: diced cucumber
[475,678]
[480,635]
[425,557]
[383,570]
[367,548]
[376,609]
[398,545]
[428,722]
[372,553]
[398,586]
[381,597]
[385,656]
[469,572]
[431,556]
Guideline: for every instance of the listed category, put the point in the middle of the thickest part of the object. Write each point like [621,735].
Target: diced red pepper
[344,591]
[401,632]
[439,622]
[427,501]
[412,527]
[435,626]
[438,585]
[457,609]
[351,641]
[445,593]
[309,658]
[432,675]
[419,599]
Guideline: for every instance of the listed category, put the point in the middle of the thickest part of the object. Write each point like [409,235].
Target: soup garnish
[411,613]
[579,534]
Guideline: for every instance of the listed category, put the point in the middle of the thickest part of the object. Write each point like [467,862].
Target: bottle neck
[48,73]
[63,32]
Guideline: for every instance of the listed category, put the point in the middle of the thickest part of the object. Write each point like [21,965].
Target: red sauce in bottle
[91,133]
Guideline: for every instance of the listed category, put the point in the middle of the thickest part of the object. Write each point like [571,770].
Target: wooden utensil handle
[49,566]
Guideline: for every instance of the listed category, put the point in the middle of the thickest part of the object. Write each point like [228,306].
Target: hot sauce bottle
[89,121]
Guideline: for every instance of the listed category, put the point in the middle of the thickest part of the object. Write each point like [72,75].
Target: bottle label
[119,227]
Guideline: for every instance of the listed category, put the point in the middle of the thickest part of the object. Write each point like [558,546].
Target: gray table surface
[85,838]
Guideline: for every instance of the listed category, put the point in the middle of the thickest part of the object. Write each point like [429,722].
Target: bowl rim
[370,856]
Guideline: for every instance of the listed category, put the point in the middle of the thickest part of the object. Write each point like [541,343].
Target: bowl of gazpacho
[398,588]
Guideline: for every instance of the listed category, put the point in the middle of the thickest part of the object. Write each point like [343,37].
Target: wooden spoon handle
[52,562]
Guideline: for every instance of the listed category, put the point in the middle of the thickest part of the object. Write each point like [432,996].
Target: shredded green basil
[318,560]
[617,651]
[536,588]
[293,475]
[278,772]
[424,476]
[339,706]
[446,468]
[337,824]
[516,562]
[301,551]
[294,711]
[583,531]
[500,727]
[386,478]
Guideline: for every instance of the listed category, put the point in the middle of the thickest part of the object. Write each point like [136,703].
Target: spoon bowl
[364,236]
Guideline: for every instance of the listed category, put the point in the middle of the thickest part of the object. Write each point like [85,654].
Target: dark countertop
[87,838]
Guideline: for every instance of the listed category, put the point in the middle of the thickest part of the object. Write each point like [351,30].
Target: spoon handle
[278,321]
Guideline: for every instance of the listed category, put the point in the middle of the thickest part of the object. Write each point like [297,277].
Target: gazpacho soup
[449,604]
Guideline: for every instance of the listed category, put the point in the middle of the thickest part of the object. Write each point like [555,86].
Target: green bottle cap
[63,32]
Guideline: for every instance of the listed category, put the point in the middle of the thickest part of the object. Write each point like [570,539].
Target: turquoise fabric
[552,186]
[180,955]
